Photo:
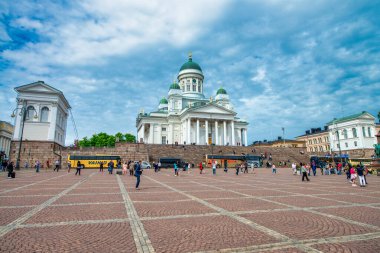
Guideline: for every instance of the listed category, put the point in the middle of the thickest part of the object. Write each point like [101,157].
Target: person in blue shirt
[175,169]
[138,172]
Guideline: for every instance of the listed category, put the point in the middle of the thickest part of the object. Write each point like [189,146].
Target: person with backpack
[79,167]
[10,169]
[138,172]
[110,167]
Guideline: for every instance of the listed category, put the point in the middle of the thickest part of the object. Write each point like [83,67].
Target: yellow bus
[92,161]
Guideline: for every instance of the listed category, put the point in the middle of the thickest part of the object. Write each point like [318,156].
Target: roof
[163,101]
[174,86]
[190,65]
[349,118]
[221,91]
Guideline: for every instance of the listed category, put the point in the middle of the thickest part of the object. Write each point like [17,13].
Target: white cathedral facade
[186,116]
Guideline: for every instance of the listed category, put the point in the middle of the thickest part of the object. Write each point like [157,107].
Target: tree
[105,140]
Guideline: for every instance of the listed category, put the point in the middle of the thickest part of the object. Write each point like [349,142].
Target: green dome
[174,86]
[221,91]
[163,101]
[190,65]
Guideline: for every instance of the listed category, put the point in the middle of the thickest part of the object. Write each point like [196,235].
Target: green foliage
[105,140]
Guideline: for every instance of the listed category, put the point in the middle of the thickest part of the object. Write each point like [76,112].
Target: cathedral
[186,116]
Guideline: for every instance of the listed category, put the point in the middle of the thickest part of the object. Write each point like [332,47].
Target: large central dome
[190,65]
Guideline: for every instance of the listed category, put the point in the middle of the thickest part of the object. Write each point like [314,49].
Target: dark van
[168,162]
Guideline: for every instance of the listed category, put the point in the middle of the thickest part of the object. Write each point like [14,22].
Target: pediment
[212,108]
[37,87]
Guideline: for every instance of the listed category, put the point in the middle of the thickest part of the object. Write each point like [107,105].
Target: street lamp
[337,134]
[23,112]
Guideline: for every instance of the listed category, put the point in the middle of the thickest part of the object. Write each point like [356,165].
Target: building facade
[47,111]
[316,140]
[186,116]
[354,132]
[6,132]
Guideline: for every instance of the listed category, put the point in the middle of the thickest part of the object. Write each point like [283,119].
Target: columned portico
[197,131]
[216,133]
[233,143]
[188,131]
[206,132]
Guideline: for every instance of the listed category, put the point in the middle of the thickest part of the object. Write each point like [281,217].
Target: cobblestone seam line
[6,229]
[295,207]
[18,188]
[243,220]
[65,223]
[143,244]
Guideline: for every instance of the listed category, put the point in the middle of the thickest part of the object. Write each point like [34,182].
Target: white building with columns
[6,133]
[46,115]
[354,132]
[186,116]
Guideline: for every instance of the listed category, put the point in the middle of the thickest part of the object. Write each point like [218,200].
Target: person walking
[237,167]
[360,171]
[200,167]
[56,165]
[79,167]
[353,176]
[37,165]
[314,168]
[125,166]
[131,168]
[274,170]
[101,167]
[304,173]
[214,167]
[225,166]
[294,168]
[138,172]
[245,167]
[68,166]
[10,169]
[110,167]
[175,169]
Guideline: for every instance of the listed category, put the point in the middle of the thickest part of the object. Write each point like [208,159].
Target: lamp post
[337,134]
[23,112]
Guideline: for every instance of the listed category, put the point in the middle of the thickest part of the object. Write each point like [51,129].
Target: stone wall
[49,151]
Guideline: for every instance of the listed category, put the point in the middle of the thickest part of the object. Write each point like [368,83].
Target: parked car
[145,165]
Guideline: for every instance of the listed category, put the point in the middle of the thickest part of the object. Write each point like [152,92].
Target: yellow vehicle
[92,161]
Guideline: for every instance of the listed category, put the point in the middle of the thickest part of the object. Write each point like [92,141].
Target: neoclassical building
[186,116]
[47,111]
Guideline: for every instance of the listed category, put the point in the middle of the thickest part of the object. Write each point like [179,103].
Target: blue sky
[291,64]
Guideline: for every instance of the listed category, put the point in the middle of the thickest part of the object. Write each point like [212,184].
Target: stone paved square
[260,212]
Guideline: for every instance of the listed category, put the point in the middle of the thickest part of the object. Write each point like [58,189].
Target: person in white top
[294,167]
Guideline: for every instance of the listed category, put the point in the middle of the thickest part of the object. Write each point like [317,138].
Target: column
[240,135]
[151,134]
[245,137]
[216,133]
[233,143]
[197,131]
[224,133]
[142,132]
[188,131]
[206,132]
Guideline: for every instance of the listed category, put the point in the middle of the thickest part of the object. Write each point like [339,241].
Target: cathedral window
[30,111]
[45,114]
[194,87]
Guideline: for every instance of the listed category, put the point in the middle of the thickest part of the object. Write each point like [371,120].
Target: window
[320,149]
[337,135]
[337,145]
[355,143]
[354,133]
[363,129]
[315,141]
[45,114]
[199,88]
[30,112]
[194,87]
[346,144]
[369,132]
[163,140]
[163,129]
[344,132]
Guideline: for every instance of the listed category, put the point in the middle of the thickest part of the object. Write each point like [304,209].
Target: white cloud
[260,75]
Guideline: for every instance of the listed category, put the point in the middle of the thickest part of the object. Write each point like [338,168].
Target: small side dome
[174,86]
[221,91]
[163,101]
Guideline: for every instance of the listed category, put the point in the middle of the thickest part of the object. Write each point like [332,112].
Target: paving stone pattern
[261,212]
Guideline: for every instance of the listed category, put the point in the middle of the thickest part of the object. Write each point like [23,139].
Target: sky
[285,64]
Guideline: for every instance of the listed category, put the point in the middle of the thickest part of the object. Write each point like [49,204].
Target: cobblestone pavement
[262,212]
